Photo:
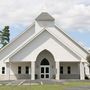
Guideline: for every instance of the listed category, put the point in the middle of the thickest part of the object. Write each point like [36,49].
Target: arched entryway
[45,65]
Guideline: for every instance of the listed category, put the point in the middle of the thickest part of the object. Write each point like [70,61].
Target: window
[19,69]
[61,69]
[27,70]
[44,62]
[3,70]
[69,70]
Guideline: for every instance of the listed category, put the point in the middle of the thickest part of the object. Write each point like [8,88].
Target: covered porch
[20,70]
[46,66]
[69,70]
[61,70]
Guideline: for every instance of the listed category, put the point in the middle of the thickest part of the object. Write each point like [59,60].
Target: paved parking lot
[79,88]
[28,82]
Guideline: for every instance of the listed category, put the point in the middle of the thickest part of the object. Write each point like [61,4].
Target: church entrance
[45,65]
[44,69]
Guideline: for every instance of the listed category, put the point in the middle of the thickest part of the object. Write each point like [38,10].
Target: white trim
[16,37]
[82,73]
[9,69]
[19,47]
[22,45]
[32,70]
[62,31]
[66,44]
[31,39]
[57,70]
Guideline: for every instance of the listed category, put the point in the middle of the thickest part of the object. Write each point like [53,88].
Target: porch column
[33,70]
[82,74]
[86,64]
[57,70]
[7,70]
[8,67]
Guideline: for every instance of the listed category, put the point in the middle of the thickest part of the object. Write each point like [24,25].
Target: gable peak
[44,16]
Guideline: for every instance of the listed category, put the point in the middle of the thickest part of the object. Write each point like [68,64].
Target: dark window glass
[47,76]
[44,62]
[69,70]
[42,76]
[61,69]
[3,70]
[27,70]
[19,69]
[42,69]
[47,70]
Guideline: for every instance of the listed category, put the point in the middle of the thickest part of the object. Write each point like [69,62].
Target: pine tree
[4,36]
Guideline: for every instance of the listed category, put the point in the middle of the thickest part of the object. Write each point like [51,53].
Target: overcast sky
[73,16]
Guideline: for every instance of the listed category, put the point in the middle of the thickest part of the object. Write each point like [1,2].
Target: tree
[4,36]
[0,38]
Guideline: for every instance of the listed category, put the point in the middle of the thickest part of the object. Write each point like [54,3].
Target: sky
[73,16]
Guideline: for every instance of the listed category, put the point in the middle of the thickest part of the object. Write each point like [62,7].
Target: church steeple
[44,20]
[44,16]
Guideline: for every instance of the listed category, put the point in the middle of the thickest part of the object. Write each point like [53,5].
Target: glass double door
[45,72]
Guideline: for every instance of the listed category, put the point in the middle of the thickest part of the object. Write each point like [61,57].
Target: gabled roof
[44,17]
[84,49]
[30,39]
[34,37]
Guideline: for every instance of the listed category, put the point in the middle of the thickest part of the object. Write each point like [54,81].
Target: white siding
[44,41]
[12,46]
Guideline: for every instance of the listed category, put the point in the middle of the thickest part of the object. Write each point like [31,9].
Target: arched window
[44,62]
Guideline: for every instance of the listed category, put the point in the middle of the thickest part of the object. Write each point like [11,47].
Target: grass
[34,87]
[45,87]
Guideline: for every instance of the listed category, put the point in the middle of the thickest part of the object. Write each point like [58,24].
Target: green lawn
[45,87]
[34,87]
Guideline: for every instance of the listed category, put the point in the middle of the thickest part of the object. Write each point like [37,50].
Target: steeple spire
[44,8]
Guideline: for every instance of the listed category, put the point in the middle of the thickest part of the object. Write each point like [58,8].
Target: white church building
[43,51]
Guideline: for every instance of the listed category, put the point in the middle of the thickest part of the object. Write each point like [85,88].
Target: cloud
[81,31]
[73,14]
[77,17]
